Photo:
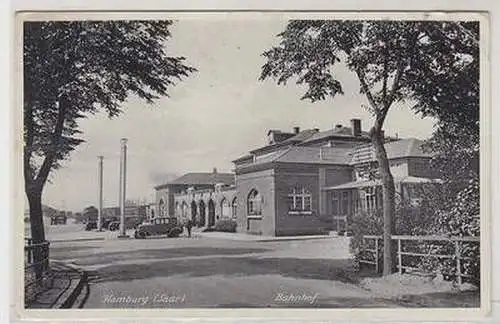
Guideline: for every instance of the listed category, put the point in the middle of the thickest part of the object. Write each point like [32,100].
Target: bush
[226,225]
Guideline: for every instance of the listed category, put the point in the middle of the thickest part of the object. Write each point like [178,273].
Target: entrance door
[193,211]
[211,213]
[202,212]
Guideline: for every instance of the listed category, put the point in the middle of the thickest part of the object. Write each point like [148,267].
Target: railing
[36,268]
[371,250]
[455,241]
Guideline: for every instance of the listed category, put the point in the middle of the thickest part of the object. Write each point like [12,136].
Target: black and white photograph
[243,161]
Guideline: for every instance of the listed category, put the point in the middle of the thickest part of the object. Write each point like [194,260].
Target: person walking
[189,226]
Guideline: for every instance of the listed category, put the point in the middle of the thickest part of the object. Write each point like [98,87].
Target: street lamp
[123,185]
[99,215]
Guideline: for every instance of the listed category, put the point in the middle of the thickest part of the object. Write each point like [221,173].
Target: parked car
[90,226]
[114,226]
[159,226]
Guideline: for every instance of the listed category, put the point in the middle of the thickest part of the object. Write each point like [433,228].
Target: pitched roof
[378,182]
[406,147]
[321,155]
[199,178]
[409,147]
[305,154]
[302,136]
[336,132]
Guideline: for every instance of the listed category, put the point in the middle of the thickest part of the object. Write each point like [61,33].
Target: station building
[301,182]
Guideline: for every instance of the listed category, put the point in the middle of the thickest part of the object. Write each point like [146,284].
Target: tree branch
[48,162]
[28,145]
[395,85]
[386,72]
[366,90]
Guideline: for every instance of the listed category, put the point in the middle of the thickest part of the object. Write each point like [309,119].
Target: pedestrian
[189,225]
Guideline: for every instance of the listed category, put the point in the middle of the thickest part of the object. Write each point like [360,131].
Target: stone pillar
[99,215]
[123,185]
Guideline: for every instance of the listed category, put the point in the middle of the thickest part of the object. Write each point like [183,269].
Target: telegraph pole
[99,214]
[123,185]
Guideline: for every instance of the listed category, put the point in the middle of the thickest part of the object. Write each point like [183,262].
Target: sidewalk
[86,236]
[64,284]
[260,238]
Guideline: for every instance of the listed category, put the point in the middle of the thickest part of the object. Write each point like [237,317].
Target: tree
[391,60]
[73,69]
[90,213]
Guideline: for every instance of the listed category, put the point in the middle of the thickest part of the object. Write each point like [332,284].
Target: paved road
[212,272]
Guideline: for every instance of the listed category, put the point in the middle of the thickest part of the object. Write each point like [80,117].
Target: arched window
[234,207]
[177,209]
[299,200]
[161,208]
[254,203]
[225,208]
[184,209]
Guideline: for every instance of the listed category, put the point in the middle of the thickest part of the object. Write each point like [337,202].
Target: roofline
[397,157]
[337,136]
[248,156]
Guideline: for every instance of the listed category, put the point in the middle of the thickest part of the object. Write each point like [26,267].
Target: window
[225,208]
[340,203]
[254,203]
[234,207]
[161,207]
[344,206]
[372,198]
[184,209]
[299,200]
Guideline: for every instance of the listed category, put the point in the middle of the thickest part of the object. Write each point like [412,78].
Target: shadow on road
[110,257]
[322,269]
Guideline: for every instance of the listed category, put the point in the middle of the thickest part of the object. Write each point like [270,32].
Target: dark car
[90,226]
[159,226]
[114,226]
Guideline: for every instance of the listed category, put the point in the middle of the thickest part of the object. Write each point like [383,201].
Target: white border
[289,314]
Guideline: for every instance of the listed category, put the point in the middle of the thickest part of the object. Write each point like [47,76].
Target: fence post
[457,255]
[376,254]
[400,261]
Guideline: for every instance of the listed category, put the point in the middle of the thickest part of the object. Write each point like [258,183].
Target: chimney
[356,127]
[215,171]
[296,130]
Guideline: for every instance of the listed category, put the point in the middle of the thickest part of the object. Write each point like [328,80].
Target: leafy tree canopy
[429,63]
[75,68]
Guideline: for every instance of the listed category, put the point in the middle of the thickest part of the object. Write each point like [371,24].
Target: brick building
[301,182]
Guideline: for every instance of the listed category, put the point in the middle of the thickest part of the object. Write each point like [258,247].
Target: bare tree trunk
[37,228]
[36,216]
[388,191]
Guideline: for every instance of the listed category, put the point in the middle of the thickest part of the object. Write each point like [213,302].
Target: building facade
[301,182]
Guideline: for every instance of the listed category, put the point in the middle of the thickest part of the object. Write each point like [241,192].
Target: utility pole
[99,213]
[123,185]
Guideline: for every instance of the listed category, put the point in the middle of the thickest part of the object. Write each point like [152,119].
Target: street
[204,271]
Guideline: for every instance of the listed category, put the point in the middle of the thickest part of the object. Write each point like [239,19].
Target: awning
[378,182]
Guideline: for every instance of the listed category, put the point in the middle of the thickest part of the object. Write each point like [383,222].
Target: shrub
[226,225]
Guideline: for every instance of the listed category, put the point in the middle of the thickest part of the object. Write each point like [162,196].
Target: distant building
[301,182]
[59,219]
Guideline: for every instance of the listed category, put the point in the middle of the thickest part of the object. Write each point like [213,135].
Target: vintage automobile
[114,226]
[159,226]
[90,226]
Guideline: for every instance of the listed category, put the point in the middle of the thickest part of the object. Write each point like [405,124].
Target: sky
[211,118]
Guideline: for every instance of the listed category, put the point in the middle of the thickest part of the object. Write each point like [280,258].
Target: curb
[68,298]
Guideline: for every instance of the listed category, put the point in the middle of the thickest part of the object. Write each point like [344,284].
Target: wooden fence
[373,246]
[36,268]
